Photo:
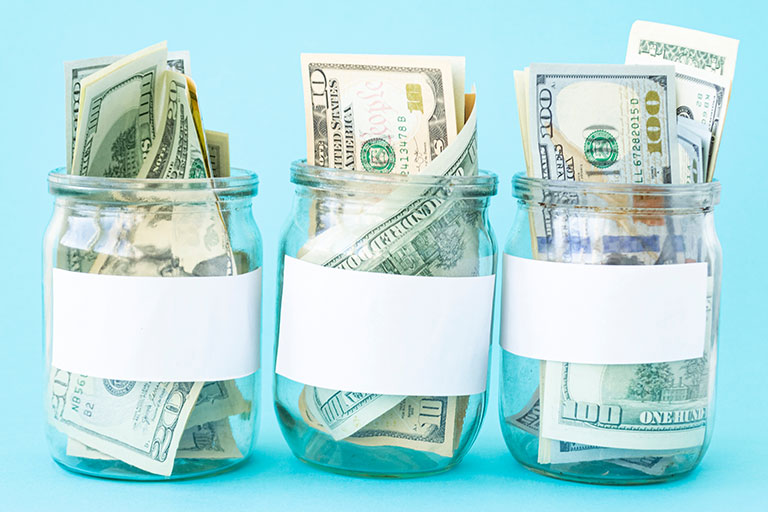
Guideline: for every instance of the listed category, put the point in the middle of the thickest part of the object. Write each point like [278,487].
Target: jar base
[612,481]
[373,474]
[125,472]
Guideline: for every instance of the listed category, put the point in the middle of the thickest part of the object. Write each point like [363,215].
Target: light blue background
[245,60]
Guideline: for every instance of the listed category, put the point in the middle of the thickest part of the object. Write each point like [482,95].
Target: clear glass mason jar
[334,213]
[607,224]
[109,238]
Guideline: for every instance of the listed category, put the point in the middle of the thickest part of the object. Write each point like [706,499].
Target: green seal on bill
[197,170]
[377,155]
[601,149]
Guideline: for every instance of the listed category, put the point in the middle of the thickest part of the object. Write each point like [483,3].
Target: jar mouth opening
[484,184]
[240,183]
[588,194]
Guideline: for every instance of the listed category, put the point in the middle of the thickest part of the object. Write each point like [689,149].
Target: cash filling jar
[152,296]
[386,286]
[610,310]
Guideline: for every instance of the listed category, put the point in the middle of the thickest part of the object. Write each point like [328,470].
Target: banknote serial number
[77,400]
[403,155]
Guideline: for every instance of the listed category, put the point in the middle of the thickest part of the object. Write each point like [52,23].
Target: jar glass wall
[664,409]
[423,226]
[190,231]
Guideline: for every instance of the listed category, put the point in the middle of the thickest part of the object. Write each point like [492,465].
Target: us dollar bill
[555,451]
[395,243]
[138,122]
[75,71]
[699,132]
[691,152]
[140,423]
[704,64]
[423,423]
[381,244]
[381,113]
[654,406]
[175,154]
[218,153]
[118,114]
[218,400]
[212,440]
[342,413]
[600,123]
[606,123]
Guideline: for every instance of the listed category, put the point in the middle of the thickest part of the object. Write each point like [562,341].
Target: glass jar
[152,293]
[346,228]
[638,408]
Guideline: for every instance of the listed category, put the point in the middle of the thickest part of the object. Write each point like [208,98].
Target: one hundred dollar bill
[656,406]
[75,71]
[613,124]
[603,123]
[140,423]
[555,451]
[705,65]
[378,113]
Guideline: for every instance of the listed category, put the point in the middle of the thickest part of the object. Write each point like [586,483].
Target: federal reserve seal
[377,155]
[601,149]
[118,387]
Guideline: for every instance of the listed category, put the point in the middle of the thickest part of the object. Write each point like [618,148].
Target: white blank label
[156,328]
[603,314]
[383,333]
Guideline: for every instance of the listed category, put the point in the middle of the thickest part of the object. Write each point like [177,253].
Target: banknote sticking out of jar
[610,313]
[386,270]
[612,270]
[152,280]
[152,295]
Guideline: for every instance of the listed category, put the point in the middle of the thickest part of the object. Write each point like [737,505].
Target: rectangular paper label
[156,328]
[384,333]
[603,314]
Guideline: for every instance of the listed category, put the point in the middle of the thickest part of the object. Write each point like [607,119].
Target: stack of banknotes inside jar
[138,117]
[404,117]
[657,119]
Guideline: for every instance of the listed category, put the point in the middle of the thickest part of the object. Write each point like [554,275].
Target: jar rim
[484,184]
[561,192]
[241,182]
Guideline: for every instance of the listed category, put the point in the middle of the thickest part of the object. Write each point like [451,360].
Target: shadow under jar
[611,379]
[152,293]
[384,314]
